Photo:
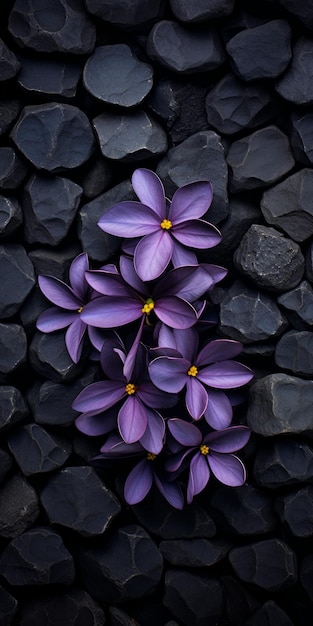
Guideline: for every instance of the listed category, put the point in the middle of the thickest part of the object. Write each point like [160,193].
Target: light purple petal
[190,201]
[74,339]
[107,312]
[59,293]
[185,341]
[169,373]
[196,398]
[216,272]
[225,375]
[218,350]
[184,432]
[108,284]
[150,191]
[129,245]
[197,234]
[153,437]
[196,285]
[175,312]
[174,281]
[138,482]
[99,396]
[182,256]
[55,319]
[227,468]
[171,492]
[95,425]
[199,475]
[228,440]
[79,266]
[129,219]
[153,254]
[219,412]
[130,276]
[132,419]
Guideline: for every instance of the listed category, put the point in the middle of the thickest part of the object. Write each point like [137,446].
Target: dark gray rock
[50,359]
[301,9]
[129,15]
[11,217]
[253,563]
[49,76]
[253,51]
[97,178]
[12,169]
[269,259]
[200,157]
[182,593]
[296,84]
[241,20]
[306,575]
[8,607]
[36,451]
[297,304]
[118,617]
[54,136]
[294,352]
[126,566]
[193,552]
[13,409]
[283,462]
[17,278]
[9,110]
[233,106]
[309,262]
[240,603]
[243,510]
[114,75]
[5,464]
[62,26]
[259,160]
[129,136]
[288,205]
[54,261]
[295,509]
[200,11]
[91,507]
[75,607]
[9,64]
[19,506]
[270,614]
[301,137]
[49,208]
[13,347]
[279,403]
[38,557]
[249,315]
[185,51]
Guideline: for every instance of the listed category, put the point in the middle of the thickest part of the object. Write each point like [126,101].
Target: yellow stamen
[151,456]
[148,306]
[80,309]
[204,449]
[130,389]
[166,224]
[193,371]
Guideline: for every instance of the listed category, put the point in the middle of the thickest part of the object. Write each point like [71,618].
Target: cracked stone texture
[11,217]
[296,84]
[37,451]
[13,408]
[283,462]
[19,506]
[297,304]
[49,76]
[294,352]
[50,359]
[13,347]
[270,564]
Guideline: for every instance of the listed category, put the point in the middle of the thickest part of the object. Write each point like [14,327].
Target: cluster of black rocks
[219,90]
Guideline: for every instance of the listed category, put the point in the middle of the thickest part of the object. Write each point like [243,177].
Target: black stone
[306,575]
[185,51]
[194,552]
[130,136]
[279,403]
[253,51]
[301,9]
[301,137]
[270,614]
[8,607]
[199,10]
[74,607]
[91,507]
[126,566]
[13,409]
[244,510]
[199,157]
[115,75]
[19,506]
[253,563]
[54,261]
[37,557]
[283,462]
[233,106]
[298,305]
[296,511]
[269,259]
[11,216]
[5,464]
[9,110]
[12,169]
[97,179]
[241,20]
[129,15]
[49,207]
[118,617]
[17,278]
[49,357]
[183,591]
[61,26]
[36,451]
[13,347]
[49,76]
[294,352]
[239,601]
[9,64]
[259,159]
[296,84]
[309,262]
[34,304]
[54,136]
[249,315]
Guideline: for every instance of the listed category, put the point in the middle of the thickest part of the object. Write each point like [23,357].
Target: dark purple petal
[107,312]
[199,475]
[216,272]
[130,276]
[229,440]
[175,312]
[153,254]
[79,266]
[185,341]
[55,319]
[218,350]
[129,219]
[99,396]
[129,245]
[132,419]
[182,256]
[227,468]
[155,398]
[225,375]
[95,425]
[171,492]
[169,373]
[219,412]
[115,446]
[175,462]
[74,339]
[110,360]
[196,398]
[138,482]
[108,284]
[197,234]
[184,432]
[190,201]
[153,437]
[132,363]
[150,191]
[59,293]
[97,336]
[174,281]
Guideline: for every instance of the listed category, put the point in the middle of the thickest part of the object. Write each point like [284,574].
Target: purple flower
[164,227]
[203,374]
[212,453]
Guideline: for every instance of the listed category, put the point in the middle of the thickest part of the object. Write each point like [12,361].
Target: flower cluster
[164,394]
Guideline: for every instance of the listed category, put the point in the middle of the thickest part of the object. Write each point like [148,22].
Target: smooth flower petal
[153,437]
[218,350]
[219,412]
[154,397]
[108,284]
[196,398]
[110,360]
[79,266]
[174,282]
[197,234]
[175,462]
[133,354]
[169,373]
[132,419]
[74,338]
[175,312]
[59,293]
[95,425]
[55,319]
[106,312]
[228,440]
[153,254]
[185,340]
[115,446]
[184,432]
[129,219]
[138,482]
[97,336]
[227,468]
[171,492]
[130,275]
[199,475]
[99,396]
[197,284]
[182,256]
[150,191]
[190,201]
[225,375]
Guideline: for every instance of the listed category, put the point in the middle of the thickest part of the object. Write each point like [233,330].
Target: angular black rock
[279,403]
[114,75]
[118,617]
[200,157]
[75,608]
[54,136]
[306,574]
[19,506]
[244,510]
[13,347]
[270,614]
[233,106]
[298,305]
[185,51]
[49,207]
[301,9]
[295,509]
[253,563]
[296,84]
[49,357]
[301,137]
[240,603]
[55,261]
[130,14]
[294,352]
[253,51]
[183,591]
[249,315]
[97,179]
[12,169]
[6,463]
[61,26]
[76,498]
[49,76]
[199,10]
[36,451]
[8,607]
[37,557]
[309,262]
[194,552]
[269,259]
[130,136]
[11,216]
[17,278]
[283,462]
[9,110]
[259,159]
[126,566]
[13,409]
[9,64]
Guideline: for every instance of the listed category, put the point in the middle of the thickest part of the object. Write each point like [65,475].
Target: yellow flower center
[151,456]
[166,224]
[204,449]
[193,371]
[130,389]
[148,306]
[80,309]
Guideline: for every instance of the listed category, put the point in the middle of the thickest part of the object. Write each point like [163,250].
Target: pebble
[13,347]
[244,510]
[294,352]
[37,451]
[11,217]
[296,84]
[182,592]
[75,606]
[283,462]
[194,11]
[253,563]
[127,14]
[17,280]
[53,77]
[12,169]
[297,305]
[301,137]
[295,510]
[9,63]
[19,506]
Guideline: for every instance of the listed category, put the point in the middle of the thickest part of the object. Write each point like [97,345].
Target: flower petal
[153,254]
[228,440]
[175,312]
[225,375]
[227,468]
[95,425]
[138,482]
[190,201]
[129,219]
[184,340]
[130,275]
[74,338]
[99,396]
[182,256]
[153,437]
[111,362]
[199,475]
[150,191]
[218,350]
[169,373]
[171,492]
[59,293]
[155,398]
[184,432]
[108,283]
[196,398]
[55,319]
[197,234]
[219,412]
[107,312]
[79,266]
[132,419]
[115,446]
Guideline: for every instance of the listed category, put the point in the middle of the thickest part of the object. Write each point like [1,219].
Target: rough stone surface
[294,352]
[8,607]
[49,76]
[13,408]
[193,552]
[301,137]
[306,574]
[244,510]
[182,591]
[13,347]
[296,84]
[36,451]
[298,305]
[97,178]
[270,614]
[137,13]
[199,10]
[75,607]
[283,462]
[6,463]
[19,506]
[11,217]
[9,64]
[9,110]
[50,359]
[254,564]
[296,511]
[12,169]
[301,9]
[17,278]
